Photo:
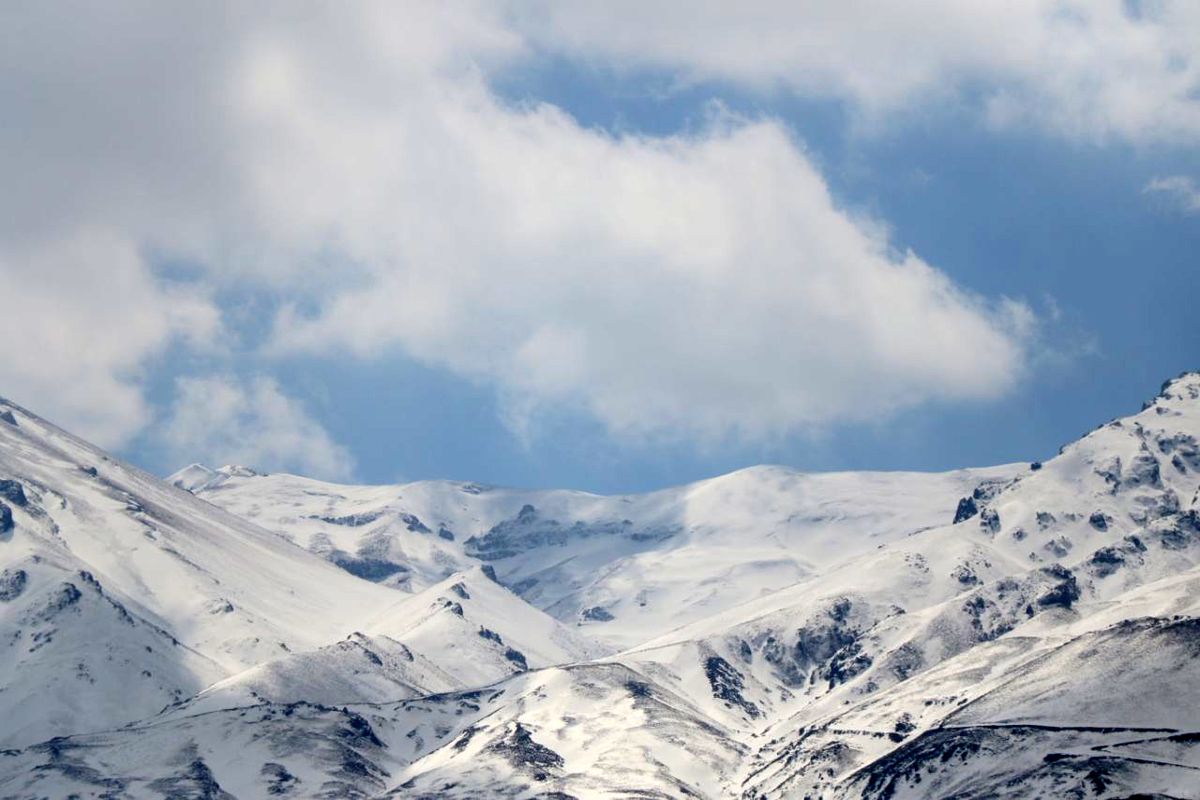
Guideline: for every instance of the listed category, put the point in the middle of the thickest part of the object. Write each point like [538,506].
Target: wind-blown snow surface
[1024,631]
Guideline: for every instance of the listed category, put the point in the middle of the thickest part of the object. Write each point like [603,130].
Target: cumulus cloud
[695,286]
[223,420]
[1181,189]
[354,162]
[79,316]
[1079,68]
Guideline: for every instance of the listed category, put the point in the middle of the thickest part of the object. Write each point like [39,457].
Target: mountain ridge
[1038,637]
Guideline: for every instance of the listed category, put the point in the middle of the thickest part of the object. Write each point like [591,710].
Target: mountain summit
[1019,631]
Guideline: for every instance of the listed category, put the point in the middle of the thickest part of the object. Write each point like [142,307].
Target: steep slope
[580,731]
[358,669]
[1097,536]
[464,632]
[120,594]
[479,632]
[626,568]
[1039,640]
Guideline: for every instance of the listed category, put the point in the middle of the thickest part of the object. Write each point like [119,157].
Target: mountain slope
[1038,637]
[626,568]
[122,594]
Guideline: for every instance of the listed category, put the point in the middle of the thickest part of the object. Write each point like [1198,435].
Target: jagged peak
[1186,386]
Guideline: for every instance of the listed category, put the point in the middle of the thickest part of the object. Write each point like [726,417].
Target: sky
[611,247]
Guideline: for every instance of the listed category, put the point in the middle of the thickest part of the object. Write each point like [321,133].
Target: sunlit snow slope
[625,568]
[1023,631]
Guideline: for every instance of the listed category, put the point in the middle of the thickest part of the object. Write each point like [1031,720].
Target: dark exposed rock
[371,569]
[464,738]
[194,783]
[352,520]
[1065,590]
[89,471]
[7,416]
[1058,547]
[1045,519]
[12,583]
[1154,506]
[1035,466]
[357,732]
[1183,531]
[1099,520]
[780,656]
[1107,560]
[845,664]
[6,518]
[1183,449]
[452,606]
[490,572]
[904,766]
[903,727]
[1143,471]
[490,635]
[446,533]
[727,684]
[826,639]
[520,750]
[460,590]
[414,524]
[988,619]
[279,780]
[596,614]
[13,492]
[906,661]
[989,521]
[965,575]
[1110,471]
[966,509]
[66,596]
[517,658]
[988,489]
[220,606]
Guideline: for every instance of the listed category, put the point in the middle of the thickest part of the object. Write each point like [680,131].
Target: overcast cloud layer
[353,160]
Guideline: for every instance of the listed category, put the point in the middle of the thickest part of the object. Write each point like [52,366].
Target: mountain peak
[197,477]
[1185,387]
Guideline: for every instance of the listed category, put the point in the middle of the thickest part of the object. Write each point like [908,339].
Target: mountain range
[1024,630]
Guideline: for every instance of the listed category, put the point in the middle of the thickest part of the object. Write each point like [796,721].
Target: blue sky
[410,338]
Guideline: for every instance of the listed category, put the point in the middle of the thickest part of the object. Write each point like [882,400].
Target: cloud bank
[1106,70]
[354,163]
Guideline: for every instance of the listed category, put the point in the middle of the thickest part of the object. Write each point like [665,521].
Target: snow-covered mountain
[1021,631]
[623,568]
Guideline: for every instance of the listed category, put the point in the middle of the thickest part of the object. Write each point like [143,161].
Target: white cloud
[691,286]
[222,420]
[1079,68]
[79,317]
[1180,188]
[353,161]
